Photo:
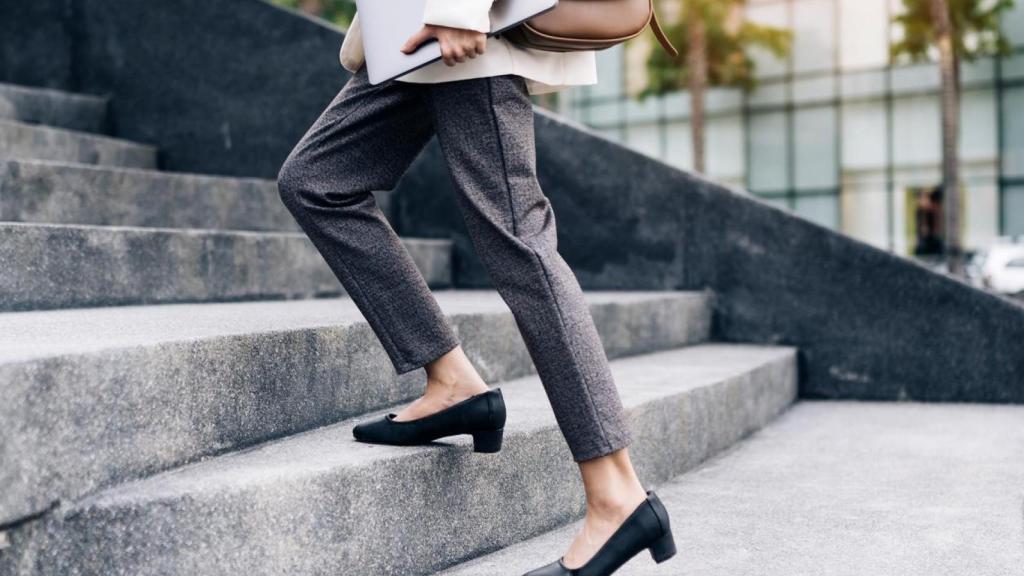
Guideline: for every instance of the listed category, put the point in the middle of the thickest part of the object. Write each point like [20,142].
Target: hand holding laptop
[456,43]
[396,41]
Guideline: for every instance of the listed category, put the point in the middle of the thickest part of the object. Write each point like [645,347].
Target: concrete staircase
[155,423]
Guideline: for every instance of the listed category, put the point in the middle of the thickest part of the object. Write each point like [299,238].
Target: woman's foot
[450,380]
[647,527]
[604,516]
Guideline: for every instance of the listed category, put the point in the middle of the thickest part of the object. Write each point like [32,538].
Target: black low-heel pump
[482,416]
[646,528]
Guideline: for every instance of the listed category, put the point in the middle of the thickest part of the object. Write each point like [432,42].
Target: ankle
[623,498]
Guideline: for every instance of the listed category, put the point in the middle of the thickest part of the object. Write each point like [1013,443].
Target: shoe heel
[488,442]
[663,548]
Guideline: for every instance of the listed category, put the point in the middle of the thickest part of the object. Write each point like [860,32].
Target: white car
[1003,269]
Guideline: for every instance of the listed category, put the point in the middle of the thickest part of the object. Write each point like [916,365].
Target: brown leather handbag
[589,25]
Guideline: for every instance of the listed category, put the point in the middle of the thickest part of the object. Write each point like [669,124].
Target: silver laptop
[387,24]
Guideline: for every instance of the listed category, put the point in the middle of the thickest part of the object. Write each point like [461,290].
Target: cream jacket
[544,70]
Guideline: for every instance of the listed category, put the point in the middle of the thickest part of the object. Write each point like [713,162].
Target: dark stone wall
[869,325]
[35,43]
[225,87]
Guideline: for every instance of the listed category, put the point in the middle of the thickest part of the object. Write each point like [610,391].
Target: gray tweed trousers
[364,141]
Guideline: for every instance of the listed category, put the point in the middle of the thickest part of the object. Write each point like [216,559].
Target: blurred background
[831,109]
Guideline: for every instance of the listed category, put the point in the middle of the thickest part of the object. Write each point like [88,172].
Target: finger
[459,54]
[414,41]
[446,54]
[481,44]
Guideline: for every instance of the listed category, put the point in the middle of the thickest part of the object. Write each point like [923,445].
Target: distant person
[928,216]
[476,100]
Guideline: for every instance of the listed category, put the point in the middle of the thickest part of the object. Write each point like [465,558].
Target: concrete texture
[21,140]
[56,192]
[320,503]
[840,488]
[869,324]
[865,320]
[272,72]
[49,266]
[144,388]
[35,43]
[55,108]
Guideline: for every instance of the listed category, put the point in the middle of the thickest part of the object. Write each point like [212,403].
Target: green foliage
[729,40]
[339,12]
[975,23]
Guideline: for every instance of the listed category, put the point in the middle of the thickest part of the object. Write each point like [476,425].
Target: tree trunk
[948,66]
[697,80]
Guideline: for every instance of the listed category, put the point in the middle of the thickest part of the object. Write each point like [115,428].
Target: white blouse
[544,70]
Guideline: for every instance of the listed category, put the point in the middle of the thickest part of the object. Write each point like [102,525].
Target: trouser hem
[582,454]
[443,347]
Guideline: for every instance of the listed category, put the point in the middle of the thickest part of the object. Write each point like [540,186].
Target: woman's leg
[485,127]
[364,141]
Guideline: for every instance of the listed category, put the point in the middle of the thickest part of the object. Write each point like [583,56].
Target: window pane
[917,131]
[604,114]
[864,33]
[769,161]
[645,138]
[642,110]
[813,35]
[1013,132]
[1013,23]
[678,148]
[725,148]
[815,148]
[978,134]
[768,15]
[609,72]
[817,89]
[915,78]
[980,219]
[865,141]
[768,93]
[1013,210]
[865,208]
[820,209]
[863,84]
[1013,67]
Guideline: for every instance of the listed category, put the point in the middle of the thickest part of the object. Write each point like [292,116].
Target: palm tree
[716,43]
[956,30]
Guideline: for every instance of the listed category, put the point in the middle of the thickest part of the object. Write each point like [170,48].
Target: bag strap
[660,34]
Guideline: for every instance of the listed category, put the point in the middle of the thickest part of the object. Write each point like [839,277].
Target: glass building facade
[835,132]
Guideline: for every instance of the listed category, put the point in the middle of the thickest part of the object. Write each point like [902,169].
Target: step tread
[642,379]
[24,140]
[140,172]
[913,484]
[75,134]
[52,191]
[56,266]
[46,333]
[53,107]
[49,92]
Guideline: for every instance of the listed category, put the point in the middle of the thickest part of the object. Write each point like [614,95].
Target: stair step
[56,108]
[844,488]
[62,193]
[30,141]
[145,388]
[320,503]
[49,266]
